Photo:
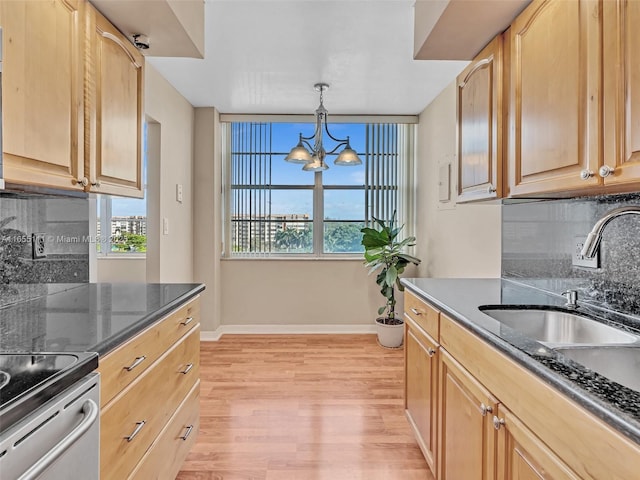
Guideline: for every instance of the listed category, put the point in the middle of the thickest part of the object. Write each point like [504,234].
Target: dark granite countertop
[617,405]
[90,317]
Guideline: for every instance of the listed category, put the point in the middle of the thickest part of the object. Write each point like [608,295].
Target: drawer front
[166,456]
[151,399]
[122,366]
[427,317]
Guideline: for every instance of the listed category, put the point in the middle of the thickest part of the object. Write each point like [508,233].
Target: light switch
[165,226]
[179,192]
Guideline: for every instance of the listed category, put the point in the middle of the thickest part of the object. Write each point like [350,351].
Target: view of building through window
[122,222]
[275,207]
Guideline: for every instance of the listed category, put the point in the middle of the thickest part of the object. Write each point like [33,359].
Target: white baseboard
[213,336]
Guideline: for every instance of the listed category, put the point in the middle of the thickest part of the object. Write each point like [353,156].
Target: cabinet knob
[431,352]
[485,409]
[497,422]
[95,184]
[586,174]
[491,189]
[82,181]
[606,170]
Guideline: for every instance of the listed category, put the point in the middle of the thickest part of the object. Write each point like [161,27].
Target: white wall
[114,270]
[171,258]
[207,234]
[170,161]
[298,292]
[453,240]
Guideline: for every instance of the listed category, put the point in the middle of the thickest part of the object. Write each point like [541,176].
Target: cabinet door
[480,125]
[521,455]
[554,97]
[42,93]
[621,37]
[421,388]
[115,111]
[466,433]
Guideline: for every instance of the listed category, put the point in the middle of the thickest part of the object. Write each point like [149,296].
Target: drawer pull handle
[188,369]
[137,362]
[139,426]
[415,311]
[187,321]
[187,433]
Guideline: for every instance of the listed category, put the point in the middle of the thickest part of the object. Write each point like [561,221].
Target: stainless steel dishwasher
[57,441]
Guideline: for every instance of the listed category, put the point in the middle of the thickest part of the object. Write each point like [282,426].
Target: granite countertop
[617,405]
[90,317]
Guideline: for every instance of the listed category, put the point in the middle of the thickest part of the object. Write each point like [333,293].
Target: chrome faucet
[592,242]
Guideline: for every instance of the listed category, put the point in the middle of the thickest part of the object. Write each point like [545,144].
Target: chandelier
[313,157]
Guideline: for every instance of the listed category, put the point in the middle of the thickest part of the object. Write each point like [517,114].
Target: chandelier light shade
[313,156]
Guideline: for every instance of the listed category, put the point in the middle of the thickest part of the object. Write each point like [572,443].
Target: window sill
[287,258]
[123,256]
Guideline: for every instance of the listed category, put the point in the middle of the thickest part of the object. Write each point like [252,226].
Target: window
[272,207]
[122,222]
[125,221]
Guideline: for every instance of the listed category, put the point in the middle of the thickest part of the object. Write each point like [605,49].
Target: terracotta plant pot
[390,335]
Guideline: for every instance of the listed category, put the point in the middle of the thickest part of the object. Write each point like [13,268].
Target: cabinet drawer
[151,399]
[427,317]
[166,456]
[122,366]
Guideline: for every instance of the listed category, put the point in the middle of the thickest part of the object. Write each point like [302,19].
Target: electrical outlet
[578,260]
[38,245]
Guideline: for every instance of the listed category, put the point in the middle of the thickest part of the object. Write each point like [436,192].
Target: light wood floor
[303,407]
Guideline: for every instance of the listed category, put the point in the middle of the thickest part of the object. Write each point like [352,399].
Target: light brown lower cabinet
[523,456]
[421,394]
[467,435]
[496,419]
[149,420]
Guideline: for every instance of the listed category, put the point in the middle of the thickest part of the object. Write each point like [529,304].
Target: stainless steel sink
[620,364]
[558,328]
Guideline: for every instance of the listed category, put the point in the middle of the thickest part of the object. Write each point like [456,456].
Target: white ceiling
[264,56]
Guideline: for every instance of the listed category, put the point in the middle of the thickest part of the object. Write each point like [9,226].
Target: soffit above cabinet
[459,29]
[175,28]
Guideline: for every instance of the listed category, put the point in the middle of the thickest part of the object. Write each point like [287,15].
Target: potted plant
[384,255]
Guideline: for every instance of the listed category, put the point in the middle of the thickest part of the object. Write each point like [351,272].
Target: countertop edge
[607,412]
[122,336]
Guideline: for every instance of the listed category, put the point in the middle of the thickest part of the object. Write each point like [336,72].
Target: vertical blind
[251,227]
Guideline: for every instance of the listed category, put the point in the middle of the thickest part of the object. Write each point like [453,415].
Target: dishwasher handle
[90,411]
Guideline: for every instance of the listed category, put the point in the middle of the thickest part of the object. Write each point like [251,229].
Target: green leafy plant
[384,255]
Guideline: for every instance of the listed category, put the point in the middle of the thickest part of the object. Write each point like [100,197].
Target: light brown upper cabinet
[115,110]
[42,86]
[479,91]
[72,99]
[554,97]
[621,73]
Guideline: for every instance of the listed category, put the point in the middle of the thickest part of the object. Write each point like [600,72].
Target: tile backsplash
[64,225]
[539,239]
